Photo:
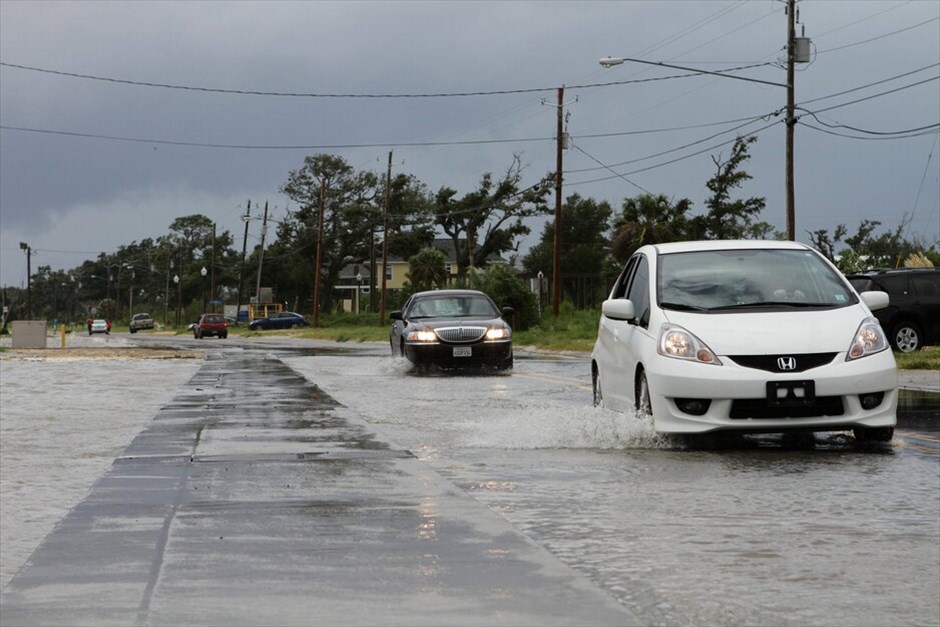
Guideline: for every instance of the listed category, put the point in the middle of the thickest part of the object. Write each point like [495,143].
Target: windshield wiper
[770,304]
[682,307]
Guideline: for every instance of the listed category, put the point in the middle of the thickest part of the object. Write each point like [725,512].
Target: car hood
[437,323]
[755,333]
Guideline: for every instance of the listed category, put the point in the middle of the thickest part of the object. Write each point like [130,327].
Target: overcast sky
[81,187]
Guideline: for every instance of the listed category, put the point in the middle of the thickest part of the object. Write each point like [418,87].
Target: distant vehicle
[141,321]
[99,326]
[211,324]
[452,329]
[912,317]
[279,320]
[747,336]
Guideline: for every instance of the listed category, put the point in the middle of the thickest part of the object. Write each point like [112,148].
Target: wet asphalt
[255,498]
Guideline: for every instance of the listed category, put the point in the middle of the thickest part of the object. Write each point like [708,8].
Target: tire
[906,337]
[596,388]
[505,365]
[643,404]
[133,331]
[196,334]
[873,435]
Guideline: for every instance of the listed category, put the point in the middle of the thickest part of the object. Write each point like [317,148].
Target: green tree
[488,221]
[349,216]
[648,219]
[727,218]
[504,286]
[426,270]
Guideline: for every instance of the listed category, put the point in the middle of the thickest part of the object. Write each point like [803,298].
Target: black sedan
[452,329]
[279,320]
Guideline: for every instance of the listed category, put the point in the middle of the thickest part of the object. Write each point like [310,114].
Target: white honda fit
[750,336]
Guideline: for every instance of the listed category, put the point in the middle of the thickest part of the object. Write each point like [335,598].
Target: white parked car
[98,326]
[748,336]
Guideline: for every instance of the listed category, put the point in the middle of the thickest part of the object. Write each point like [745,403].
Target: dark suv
[912,318]
[211,324]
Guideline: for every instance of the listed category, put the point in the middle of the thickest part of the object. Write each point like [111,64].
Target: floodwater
[768,531]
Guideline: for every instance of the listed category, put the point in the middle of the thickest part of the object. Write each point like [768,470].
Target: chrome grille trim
[460,334]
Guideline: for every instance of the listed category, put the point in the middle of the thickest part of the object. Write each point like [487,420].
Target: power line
[247,92]
[859,43]
[933,129]
[607,167]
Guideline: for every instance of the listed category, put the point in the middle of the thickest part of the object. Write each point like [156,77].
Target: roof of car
[727,244]
[447,293]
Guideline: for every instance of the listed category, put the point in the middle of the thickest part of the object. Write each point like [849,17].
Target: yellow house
[354,279]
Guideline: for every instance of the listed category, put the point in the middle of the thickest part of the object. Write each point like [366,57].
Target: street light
[176,281]
[29,293]
[203,272]
[358,289]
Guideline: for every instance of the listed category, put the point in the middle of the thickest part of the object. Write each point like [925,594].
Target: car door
[398,327]
[612,361]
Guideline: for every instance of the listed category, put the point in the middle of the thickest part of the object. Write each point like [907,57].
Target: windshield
[740,279]
[454,307]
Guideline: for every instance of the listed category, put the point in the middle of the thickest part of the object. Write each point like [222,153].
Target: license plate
[463,351]
[791,393]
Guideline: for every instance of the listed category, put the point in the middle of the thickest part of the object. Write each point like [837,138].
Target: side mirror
[395,315]
[618,309]
[508,312]
[875,300]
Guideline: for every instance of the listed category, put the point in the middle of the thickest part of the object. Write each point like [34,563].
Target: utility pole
[556,253]
[212,274]
[241,270]
[316,275]
[791,122]
[388,189]
[264,231]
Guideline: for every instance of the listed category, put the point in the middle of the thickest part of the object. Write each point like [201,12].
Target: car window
[213,318]
[927,286]
[620,287]
[896,285]
[638,291]
[703,280]
[454,306]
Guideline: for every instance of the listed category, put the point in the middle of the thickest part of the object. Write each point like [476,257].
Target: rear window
[213,318]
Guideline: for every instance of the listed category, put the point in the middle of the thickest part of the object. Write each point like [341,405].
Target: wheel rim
[907,339]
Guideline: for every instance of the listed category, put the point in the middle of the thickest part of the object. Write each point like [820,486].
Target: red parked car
[211,324]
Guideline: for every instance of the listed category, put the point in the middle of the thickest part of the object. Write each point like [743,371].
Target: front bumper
[738,396]
[482,354]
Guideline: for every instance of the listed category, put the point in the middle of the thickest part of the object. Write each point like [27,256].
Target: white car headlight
[869,339]
[674,341]
[422,336]
[497,333]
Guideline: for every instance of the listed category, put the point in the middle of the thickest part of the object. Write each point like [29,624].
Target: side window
[896,286]
[639,291]
[620,287]
[927,287]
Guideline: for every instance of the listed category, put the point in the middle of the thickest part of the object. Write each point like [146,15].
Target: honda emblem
[786,363]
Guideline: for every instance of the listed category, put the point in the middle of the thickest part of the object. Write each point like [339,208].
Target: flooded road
[769,530]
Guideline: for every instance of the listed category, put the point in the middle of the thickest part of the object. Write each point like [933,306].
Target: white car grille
[460,334]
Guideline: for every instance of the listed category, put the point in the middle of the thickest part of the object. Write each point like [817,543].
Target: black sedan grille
[460,334]
[790,363]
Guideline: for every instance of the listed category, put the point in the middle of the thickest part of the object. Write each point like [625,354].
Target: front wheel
[596,388]
[223,336]
[643,404]
[906,337]
[873,435]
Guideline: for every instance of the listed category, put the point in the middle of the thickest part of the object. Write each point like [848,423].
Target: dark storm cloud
[70,193]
